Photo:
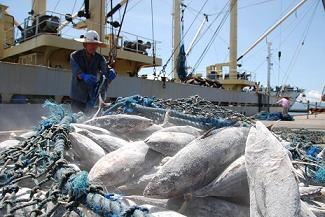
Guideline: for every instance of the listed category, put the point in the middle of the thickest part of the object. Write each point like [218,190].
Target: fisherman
[285,103]
[89,72]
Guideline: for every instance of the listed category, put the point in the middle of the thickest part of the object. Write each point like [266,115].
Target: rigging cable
[162,71]
[207,47]
[74,5]
[279,52]
[57,3]
[113,48]
[134,5]
[153,41]
[298,50]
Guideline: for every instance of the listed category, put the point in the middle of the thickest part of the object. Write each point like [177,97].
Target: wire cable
[177,46]
[299,47]
[212,39]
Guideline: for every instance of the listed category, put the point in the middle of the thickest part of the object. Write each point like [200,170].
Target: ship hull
[31,80]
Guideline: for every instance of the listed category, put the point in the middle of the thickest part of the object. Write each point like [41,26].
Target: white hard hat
[90,36]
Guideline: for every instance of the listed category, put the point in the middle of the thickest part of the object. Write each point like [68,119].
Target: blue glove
[111,74]
[89,79]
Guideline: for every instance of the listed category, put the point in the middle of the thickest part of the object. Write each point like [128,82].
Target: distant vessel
[35,64]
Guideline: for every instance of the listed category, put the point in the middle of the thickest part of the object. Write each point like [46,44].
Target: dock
[312,121]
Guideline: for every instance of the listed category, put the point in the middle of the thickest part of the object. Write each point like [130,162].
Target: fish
[156,207]
[317,207]
[272,183]
[168,143]
[124,164]
[183,129]
[311,192]
[307,211]
[141,134]
[161,212]
[93,129]
[121,123]
[198,163]
[25,135]
[231,183]
[212,206]
[137,185]
[105,141]
[169,204]
[85,151]
[10,143]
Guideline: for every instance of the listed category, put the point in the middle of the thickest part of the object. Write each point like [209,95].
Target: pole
[176,34]
[308,109]
[269,67]
[233,40]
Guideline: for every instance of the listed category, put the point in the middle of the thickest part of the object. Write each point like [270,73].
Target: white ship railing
[126,41]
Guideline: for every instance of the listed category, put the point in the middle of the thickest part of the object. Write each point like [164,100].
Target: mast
[38,7]
[269,67]
[97,19]
[176,34]
[233,40]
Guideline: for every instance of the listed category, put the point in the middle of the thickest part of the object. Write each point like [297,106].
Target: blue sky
[301,38]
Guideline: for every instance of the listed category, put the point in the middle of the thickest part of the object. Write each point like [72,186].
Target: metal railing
[50,23]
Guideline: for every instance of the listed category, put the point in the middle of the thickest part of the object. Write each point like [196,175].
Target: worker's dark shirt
[79,64]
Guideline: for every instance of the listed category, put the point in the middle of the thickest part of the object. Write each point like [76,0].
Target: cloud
[311,95]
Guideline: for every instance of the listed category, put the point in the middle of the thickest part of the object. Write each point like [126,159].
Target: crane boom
[189,49]
[272,28]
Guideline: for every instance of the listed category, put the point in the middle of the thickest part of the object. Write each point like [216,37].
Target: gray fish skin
[107,142]
[306,211]
[183,129]
[212,206]
[170,204]
[270,175]
[316,207]
[137,186]
[141,134]
[85,151]
[121,123]
[168,143]
[311,192]
[232,182]
[25,135]
[198,163]
[93,129]
[124,164]
[161,212]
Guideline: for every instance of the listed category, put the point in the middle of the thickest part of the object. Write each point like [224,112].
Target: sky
[300,38]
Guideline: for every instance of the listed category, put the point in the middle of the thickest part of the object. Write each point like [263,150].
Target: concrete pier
[301,122]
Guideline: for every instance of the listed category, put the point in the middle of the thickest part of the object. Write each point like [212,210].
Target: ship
[34,63]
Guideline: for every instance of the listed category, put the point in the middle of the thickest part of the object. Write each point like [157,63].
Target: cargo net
[307,151]
[194,111]
[37,180]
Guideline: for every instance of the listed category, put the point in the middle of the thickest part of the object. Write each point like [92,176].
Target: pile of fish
[157,167]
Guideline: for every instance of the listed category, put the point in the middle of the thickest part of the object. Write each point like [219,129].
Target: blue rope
[320,175]
[78,184]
